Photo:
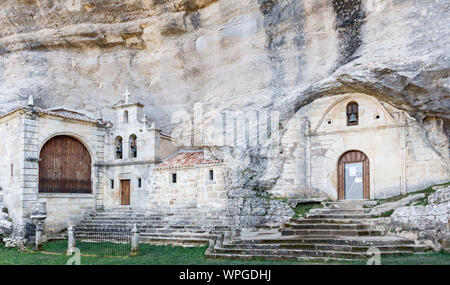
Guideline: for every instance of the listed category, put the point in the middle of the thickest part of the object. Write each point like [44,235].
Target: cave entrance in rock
[353,176]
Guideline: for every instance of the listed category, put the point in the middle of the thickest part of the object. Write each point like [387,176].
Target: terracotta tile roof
[58,113]
[72,115]
[186,158]
[67,114]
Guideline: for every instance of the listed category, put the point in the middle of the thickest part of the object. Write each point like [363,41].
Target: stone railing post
[39,230]
[135,241]
[71,240]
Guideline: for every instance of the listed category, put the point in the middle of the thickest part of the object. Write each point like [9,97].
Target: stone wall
[5,223]
[192,190]
[401,157]
[133,172]
[66,209]
[231,55]
[12,166]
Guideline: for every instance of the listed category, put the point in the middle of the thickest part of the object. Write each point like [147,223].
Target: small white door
[354,181]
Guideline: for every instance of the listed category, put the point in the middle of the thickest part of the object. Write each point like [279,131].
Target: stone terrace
[340,231]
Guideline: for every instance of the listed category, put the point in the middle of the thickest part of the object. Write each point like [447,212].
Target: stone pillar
[152,151]
[39,230]
[98,167]
[29,173]
[308,154]
[404,149]
[135,241]
[71,240]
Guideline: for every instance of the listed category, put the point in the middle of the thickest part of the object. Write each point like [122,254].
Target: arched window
[133,146]
[125,117]
[119,149]
[352,114]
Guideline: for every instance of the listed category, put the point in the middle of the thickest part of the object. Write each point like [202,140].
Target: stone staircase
[187,227]
[339,231]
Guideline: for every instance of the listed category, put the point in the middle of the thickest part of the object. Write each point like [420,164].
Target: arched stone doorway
[353,176]
[65,166]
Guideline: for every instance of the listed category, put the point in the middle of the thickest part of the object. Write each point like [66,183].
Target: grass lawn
[170,255]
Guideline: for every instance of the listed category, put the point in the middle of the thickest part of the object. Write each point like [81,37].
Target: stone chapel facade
[353,146]
[78,164]
[349,146]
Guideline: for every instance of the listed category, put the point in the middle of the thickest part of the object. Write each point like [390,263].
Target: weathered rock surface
[426,222]
[440,196]
[230,55]
[380,209]
[14,241]
[5,223]
[422,218]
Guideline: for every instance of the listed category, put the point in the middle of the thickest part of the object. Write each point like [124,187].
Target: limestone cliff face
[230,55]
[226,53]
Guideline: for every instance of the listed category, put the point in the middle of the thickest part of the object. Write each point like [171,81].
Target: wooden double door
[125,192]
[65,166]
[353,176]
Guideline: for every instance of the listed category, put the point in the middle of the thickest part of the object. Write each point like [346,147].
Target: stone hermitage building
[348,146]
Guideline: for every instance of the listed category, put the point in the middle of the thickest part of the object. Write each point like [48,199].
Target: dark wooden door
[349,157]
[125,192]
[64,167]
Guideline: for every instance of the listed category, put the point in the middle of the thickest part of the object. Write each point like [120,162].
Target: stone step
[307,253]
[143,219]
[117,226]
[333,247]
[175,241]
[215,255]
[349,204]
[155,231]
[124,217]
[337,211]
[133,214]
[158,217]
[153,225]
[162,219]
[127,212]
[150,226]
[329,221]
[338,216]
[327,226]
[353,241]
[154,235]
[337,233]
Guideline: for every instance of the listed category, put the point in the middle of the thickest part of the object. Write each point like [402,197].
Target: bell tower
[128,111]
[134,138]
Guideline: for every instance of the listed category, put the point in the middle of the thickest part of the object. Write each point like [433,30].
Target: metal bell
[353,119]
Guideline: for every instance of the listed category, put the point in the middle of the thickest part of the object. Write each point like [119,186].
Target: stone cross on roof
[127,96]
[30,102]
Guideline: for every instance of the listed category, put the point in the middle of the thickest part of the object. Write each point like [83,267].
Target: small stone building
[52,155]
[78,164]
[189,179]
[353,146]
